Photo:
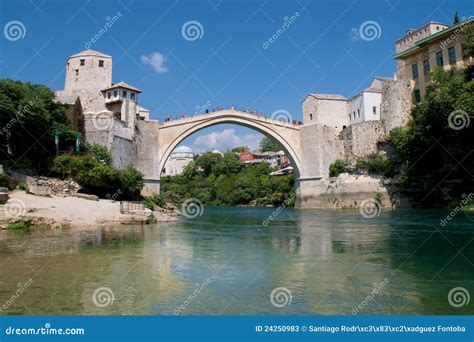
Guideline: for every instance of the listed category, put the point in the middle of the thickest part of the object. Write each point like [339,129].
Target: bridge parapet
[253,115]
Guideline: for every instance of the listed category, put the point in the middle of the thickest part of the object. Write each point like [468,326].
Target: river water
[229,261]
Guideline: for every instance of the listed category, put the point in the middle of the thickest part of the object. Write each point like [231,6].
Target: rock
[137,219]
[85,196]
[55,186]
[3,195]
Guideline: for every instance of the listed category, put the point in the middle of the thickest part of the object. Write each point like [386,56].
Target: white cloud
[156,60]
[227,139]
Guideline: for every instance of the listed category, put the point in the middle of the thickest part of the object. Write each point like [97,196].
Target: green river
[229,261]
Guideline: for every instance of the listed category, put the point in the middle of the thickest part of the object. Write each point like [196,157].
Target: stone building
[177,161]
[89,78]
[417,53]
[338,112]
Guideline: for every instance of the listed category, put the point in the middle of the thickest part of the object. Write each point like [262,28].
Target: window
[132,96]
[109,94]
[426,67]
[414,71]
[439,59]
[354,115]
[374,110]
[83,62]
[417,95]
[358,113]
[68,65]
[101,63]
[115,93]
[124,93]
[452,55]
[311,116]
[77,72]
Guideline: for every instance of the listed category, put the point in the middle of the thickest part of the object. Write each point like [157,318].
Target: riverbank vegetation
[224,180]
[37,137]
[436,148]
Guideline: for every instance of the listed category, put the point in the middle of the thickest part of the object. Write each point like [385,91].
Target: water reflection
[330,261]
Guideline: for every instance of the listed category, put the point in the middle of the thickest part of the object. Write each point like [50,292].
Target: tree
[269,144]
[468,46]
[240,149]
[29,116]
[456,18]
[436,146]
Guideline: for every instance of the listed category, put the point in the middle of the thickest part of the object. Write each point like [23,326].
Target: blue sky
[231,62]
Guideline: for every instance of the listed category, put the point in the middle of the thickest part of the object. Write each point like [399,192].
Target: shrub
[376,164]
[338,167]
[21,186]
[151,201]
[5,181]
[400,139]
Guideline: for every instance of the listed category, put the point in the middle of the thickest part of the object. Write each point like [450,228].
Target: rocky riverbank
[23,209]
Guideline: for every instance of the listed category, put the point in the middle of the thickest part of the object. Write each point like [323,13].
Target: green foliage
[468,46]
[376,164]
[29,117]
[400,139]
[153,200]
[269,144]
[19,225]
[456,18]
[93,170]
[240,149]
[336,168]
[436,147]
[100,153]
[5,181]
[226,181]
[21,186]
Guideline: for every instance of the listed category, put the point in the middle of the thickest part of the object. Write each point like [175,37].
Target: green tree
[456,18]
[269,144]
[468,46]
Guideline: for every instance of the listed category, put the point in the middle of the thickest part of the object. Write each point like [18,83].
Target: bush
[5,181]
[376,164]
[94,172]
[400,139]
[338,167]
[151,201]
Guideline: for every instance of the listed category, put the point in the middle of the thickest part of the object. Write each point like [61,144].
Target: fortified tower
[87,73]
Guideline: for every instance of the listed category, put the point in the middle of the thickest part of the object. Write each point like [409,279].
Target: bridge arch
[287,134]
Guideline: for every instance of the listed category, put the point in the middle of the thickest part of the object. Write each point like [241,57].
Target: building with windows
[89,78]
[338,112]
[177,161]
[273,159]
[420,50]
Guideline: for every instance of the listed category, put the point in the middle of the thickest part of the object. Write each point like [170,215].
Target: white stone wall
[330,113]
[362,139]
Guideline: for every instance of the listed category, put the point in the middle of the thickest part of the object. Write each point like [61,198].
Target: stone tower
[87,73]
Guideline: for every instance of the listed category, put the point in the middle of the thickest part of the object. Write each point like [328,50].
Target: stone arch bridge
[146,145]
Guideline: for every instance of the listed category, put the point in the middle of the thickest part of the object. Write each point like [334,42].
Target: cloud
[225,140]
[156,60]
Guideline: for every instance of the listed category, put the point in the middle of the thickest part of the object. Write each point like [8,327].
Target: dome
[183,149]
